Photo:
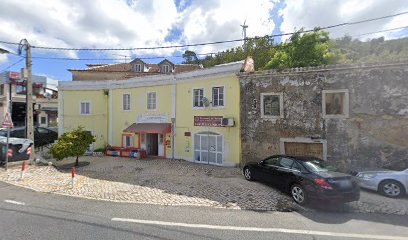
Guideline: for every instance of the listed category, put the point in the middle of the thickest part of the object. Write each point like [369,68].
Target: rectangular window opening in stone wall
[335,103]
[272,105]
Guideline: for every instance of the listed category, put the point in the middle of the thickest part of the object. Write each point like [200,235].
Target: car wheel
[248,174]
[298,194]
[390,188]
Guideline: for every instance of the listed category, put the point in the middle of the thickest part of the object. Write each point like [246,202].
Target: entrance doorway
[152,144]
[208,148]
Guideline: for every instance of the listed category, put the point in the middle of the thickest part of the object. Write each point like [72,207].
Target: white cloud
[207,21]
[86,23]
[310,14]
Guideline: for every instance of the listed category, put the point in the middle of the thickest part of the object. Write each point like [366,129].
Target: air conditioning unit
[228,122]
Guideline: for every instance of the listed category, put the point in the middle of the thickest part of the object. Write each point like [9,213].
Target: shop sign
[209,121]
[14,75]
[153,118]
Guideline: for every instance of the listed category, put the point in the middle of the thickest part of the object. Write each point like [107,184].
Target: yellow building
[192,115]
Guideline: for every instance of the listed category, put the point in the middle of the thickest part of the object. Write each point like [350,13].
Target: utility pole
[29,95]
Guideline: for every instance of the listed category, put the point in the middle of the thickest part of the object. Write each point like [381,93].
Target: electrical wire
[208,43]
[13,64]
[386,30]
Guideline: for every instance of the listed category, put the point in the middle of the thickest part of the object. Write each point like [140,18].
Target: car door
[286,172]
[267,171]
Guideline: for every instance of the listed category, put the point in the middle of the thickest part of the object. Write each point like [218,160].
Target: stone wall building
[350,115]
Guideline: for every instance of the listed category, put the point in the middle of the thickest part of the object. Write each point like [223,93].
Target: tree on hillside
[72,144]
[304,50]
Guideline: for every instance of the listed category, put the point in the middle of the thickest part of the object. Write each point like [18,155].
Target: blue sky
[146,23]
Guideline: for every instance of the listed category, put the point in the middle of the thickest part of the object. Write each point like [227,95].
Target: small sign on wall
[210,121]
[187,134]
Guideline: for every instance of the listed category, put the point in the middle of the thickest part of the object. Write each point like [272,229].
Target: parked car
[42,136]
[20,149]
[389,183]
[306,178]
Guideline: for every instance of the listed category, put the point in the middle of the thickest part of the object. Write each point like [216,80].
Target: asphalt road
[25,214]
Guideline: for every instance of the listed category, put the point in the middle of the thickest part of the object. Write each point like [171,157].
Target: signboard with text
[208,121]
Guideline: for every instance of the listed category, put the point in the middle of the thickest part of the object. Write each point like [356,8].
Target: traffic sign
[7,121]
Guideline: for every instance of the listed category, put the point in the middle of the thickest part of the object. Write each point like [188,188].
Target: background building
[45,99]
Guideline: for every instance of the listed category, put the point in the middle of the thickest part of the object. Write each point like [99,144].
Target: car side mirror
[261,163]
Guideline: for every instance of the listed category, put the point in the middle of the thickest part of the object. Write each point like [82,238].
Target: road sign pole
[7,146]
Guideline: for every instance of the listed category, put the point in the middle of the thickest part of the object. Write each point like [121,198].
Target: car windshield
[318,165]
[3,133]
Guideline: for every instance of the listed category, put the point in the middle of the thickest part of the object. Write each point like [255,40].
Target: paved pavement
[177,183]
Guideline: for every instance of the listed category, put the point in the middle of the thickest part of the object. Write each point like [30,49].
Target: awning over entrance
[149,128]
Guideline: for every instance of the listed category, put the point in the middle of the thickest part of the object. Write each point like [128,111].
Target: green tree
[72,144]
[190,57]
[304,50]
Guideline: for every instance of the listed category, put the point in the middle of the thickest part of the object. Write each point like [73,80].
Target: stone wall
[374,134]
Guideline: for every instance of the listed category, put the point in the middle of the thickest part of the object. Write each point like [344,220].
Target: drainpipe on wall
[173,116]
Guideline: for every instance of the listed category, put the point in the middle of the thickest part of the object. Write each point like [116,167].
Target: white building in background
[13,99]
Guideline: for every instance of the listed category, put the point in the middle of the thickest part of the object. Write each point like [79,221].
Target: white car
[392,184]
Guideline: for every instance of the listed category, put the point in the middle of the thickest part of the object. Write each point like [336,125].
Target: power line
[386,30]
[180,56]
[208,43]
[13,64]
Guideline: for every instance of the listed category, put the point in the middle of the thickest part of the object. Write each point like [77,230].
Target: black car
[42,136]
[305,178]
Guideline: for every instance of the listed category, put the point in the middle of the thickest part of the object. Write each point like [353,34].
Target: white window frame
[280,105]
[207,134]
[89,108]
[131,143]
[137,67]
[129,104]
[147,101]
[165,68]
[346,103]
[193,91]
[224,96]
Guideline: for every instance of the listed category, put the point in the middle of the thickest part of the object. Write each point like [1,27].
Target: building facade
[13,99]
[190,115]
[350,115]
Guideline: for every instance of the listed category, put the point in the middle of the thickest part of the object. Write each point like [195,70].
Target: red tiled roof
[127,67]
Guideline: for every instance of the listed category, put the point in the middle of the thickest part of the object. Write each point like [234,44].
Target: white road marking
[255,229]
[14,202]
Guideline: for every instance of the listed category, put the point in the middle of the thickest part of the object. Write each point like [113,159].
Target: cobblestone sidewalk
[176,182]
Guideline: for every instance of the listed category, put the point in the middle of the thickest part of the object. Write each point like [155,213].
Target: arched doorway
[209,148]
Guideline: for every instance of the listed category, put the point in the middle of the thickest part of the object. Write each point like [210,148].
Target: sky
[117,24]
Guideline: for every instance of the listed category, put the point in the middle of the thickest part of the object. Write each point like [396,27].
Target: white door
[208,148]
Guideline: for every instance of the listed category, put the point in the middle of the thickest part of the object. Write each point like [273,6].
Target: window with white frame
[218,96]
[85,108]
[137,67]
[198,95]
[272,105]
[165,68]
[127,141]
[151,101]
[126,102]
[335,103]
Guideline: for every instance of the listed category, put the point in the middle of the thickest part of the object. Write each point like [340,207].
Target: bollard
[73,177]
[23,169]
